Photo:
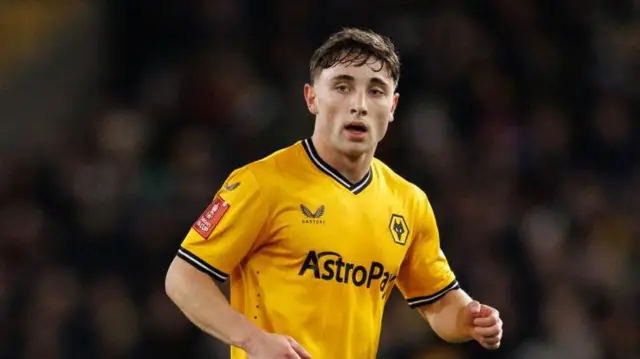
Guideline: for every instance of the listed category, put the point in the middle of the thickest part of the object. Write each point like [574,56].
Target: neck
[353,168]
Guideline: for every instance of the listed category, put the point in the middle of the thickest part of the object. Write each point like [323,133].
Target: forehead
[373,68]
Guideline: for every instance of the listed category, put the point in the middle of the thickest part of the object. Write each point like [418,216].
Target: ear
[310,98]
[396,96]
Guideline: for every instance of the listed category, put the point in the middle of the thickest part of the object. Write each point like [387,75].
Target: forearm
[205,305]
[447,316]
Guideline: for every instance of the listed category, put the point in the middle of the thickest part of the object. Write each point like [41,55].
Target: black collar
[355,188]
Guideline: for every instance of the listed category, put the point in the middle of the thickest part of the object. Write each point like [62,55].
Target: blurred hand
[485,325]
[275,346]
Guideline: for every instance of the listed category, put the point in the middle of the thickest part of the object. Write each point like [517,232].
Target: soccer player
[315,236]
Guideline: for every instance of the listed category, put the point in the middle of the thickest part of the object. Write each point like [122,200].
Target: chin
[355,149]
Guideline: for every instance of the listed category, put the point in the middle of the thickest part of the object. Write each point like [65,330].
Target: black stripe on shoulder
[429,299]
[201,265]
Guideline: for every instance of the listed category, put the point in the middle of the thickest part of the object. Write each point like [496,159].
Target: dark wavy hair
[352,46]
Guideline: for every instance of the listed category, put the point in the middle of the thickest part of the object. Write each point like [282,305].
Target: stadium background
[120,119]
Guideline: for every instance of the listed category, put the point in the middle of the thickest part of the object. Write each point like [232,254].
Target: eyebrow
[374,80]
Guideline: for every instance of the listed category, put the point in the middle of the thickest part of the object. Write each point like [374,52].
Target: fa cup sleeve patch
[209,219]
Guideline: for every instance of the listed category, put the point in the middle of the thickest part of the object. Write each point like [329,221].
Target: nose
[359,104]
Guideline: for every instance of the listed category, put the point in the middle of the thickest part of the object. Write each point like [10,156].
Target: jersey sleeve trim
[428,299]
[203,266]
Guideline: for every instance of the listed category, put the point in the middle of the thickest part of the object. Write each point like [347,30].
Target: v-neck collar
[323,166]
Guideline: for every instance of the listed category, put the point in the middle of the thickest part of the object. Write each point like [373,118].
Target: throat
[352,168]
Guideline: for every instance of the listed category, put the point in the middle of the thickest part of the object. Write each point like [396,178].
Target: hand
[275,346]
[485,325]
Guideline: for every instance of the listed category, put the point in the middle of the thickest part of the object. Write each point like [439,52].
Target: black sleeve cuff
[424,300]
[202,266]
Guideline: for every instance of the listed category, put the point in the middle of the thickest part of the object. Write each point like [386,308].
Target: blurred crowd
[517,118]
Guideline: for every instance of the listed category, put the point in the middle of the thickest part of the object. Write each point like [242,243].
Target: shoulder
[267,171]
[413,198]
[397,183]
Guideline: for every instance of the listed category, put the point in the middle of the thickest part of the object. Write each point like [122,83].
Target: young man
[315,236]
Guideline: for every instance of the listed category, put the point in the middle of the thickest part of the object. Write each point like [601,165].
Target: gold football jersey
[314,256]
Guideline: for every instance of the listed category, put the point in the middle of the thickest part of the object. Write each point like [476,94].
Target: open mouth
[356,127]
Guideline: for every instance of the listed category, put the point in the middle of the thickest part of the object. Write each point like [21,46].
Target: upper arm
[230,227]
[425,275]
[181,275]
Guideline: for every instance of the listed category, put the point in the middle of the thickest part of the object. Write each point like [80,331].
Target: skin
[345,93]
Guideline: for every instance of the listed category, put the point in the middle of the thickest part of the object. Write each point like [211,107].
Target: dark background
[120,119]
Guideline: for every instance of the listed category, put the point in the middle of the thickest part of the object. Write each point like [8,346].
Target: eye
[342,88]
[376,92]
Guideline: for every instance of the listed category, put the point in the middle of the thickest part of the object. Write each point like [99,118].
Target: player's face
[353,106]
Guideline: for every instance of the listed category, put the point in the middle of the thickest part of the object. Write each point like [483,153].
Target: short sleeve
[229,228]
[425,275]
